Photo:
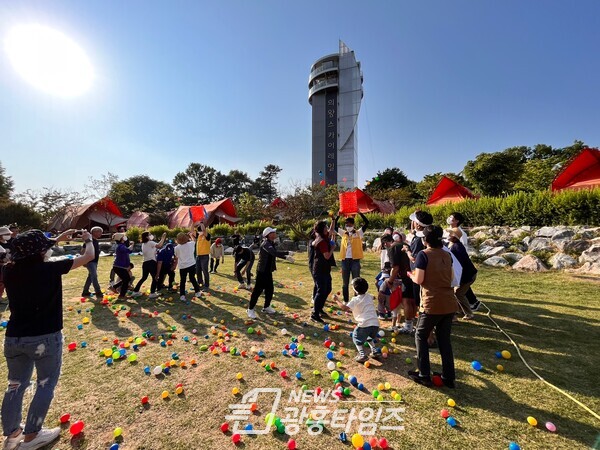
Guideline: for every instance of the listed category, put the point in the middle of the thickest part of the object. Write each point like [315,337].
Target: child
[383,297]
[165,266]
[245,260]
[363,310]
[184,258]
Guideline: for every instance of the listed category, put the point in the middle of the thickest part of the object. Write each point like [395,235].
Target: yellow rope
[566,394]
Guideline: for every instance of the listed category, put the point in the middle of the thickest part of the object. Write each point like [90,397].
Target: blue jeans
[361,335]
[349,267]
[92,278]
[202,270]
[22,354]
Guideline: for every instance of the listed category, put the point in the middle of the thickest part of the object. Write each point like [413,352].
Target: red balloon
[444,413]
[291,445]
[225,427]
[383,443]
[72,346]
[236,438]
[437,381]
[65,418]
[322,182]
[145,399]
[77,427]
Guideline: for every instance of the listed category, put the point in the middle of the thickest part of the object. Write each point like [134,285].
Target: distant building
[335,93]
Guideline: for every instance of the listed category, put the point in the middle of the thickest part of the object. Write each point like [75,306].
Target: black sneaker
[316,318]
[417,378]
[324,314]
[86,294]
[475,306]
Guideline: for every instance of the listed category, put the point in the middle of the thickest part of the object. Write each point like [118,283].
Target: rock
[547,231]
[590,233]
[493,251]
[526,228]
[563,234]
[480,235]
[496,261]
[472,252]
[501,243]
[591,255]
[228,250]
[489,242]
[576,246]
[562,261]
[518,233]
[476,229]
[530,263]
[484,248]
[588,268]
[512,257]
[540,245]
[106,247]
[526,240]
[301,247]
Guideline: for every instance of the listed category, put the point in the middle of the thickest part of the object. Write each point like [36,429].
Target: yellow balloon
[500,368]
[179,390]
[532,421]
[118,432]
[357,440]
[239,376]
[451,403]
[235,391]
[397,397]
[165,394]
[380,387]
[506,354]
[388,386]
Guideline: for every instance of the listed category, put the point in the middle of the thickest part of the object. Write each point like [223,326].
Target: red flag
[348,203]
[396,298]
[197,213]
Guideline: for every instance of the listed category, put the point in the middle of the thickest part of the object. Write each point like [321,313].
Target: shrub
[26,217]
[134,234]
[221,229]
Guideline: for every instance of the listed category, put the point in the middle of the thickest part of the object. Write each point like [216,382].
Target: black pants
[202,270]
[123,274]
[323,289]
[148,269]
[443,327]
[164,271]
[238,270]
[264,282]
[471,297]
[183,273]
[214,263]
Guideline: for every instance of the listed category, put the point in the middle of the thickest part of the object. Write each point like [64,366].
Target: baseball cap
[268,231]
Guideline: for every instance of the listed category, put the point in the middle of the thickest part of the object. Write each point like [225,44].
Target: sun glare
[49,60]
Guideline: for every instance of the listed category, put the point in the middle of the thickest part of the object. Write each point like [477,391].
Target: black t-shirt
[235,238]
[416,247]
[96,249]
[399,258]
[246,254]
[35,297]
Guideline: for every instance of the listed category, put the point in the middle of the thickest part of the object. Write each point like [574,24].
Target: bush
[134,234]
[221,229]
[11,212]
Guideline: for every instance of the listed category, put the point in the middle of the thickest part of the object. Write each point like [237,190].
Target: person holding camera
[34,333]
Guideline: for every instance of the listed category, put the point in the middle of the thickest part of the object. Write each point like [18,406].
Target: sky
[225,83]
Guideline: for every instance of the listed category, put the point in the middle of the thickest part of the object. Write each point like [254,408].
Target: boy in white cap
[264,273]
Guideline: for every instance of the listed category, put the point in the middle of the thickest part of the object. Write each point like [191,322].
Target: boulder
[476,229]
[496,261]
[228,250]
[301,247]
[562,261]
[512,257]
[502,243]
[591,255]
[106,247]
[493,251]
[590,233]
[526,228]
[563,234]
[576,246]
[518,233]
[540,245]
[530,263]
[547,231]
[472,252]
[526,240]
[480,235]
[484,248]
[588,268]
[489,242]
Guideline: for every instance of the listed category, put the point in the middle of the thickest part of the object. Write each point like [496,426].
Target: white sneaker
[198,294]
[11,443]
[43,438]
[251,313]
[137,294]
[183,299]
[153,295]
[269,310]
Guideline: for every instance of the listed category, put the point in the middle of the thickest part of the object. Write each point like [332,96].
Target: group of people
[426,275]
[418,274]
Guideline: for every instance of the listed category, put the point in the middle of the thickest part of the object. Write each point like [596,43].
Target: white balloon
[331,365]
[157,370]
[283,331]
[381,333]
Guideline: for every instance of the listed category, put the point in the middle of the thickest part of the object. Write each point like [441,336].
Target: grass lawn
[553,316]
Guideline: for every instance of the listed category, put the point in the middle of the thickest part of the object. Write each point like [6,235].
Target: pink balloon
[550,427]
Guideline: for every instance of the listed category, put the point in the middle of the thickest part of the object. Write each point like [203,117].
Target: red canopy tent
[581,172]
[354,201]
[449,191]
[104,213]
[185,216]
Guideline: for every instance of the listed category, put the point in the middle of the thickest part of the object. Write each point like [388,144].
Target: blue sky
[224,83]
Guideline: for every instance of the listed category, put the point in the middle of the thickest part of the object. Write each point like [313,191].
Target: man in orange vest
[351,250]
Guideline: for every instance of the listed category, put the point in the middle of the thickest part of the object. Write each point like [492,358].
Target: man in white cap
[264,273]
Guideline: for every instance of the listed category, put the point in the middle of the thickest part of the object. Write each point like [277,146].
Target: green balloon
[375,393]
[250,330]
[335,375]
[281,429]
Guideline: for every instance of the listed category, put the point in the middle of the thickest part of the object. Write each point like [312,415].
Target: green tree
[142,193]
[198,184]
[6,185]
[250,208]
[392,178]
[48,202]
[265,186]
[234,184]
[15,212]
[495,174]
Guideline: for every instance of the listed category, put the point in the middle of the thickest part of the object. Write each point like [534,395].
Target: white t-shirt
[149,251]
[464,239]
[363,310]
[185,255]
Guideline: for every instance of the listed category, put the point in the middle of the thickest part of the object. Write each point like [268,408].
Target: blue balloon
[366,446]
[360,387]
[109,361]
[329,355]
[298,375]
[476,365]
[248,427]
[353,381]
[114,447]
[284,353]
[499,355]
[451,421]
[147,369]
[513,446]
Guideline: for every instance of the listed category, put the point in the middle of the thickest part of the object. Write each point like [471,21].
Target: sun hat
[268,231]
[118,236]
[423,218]
[30,243]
